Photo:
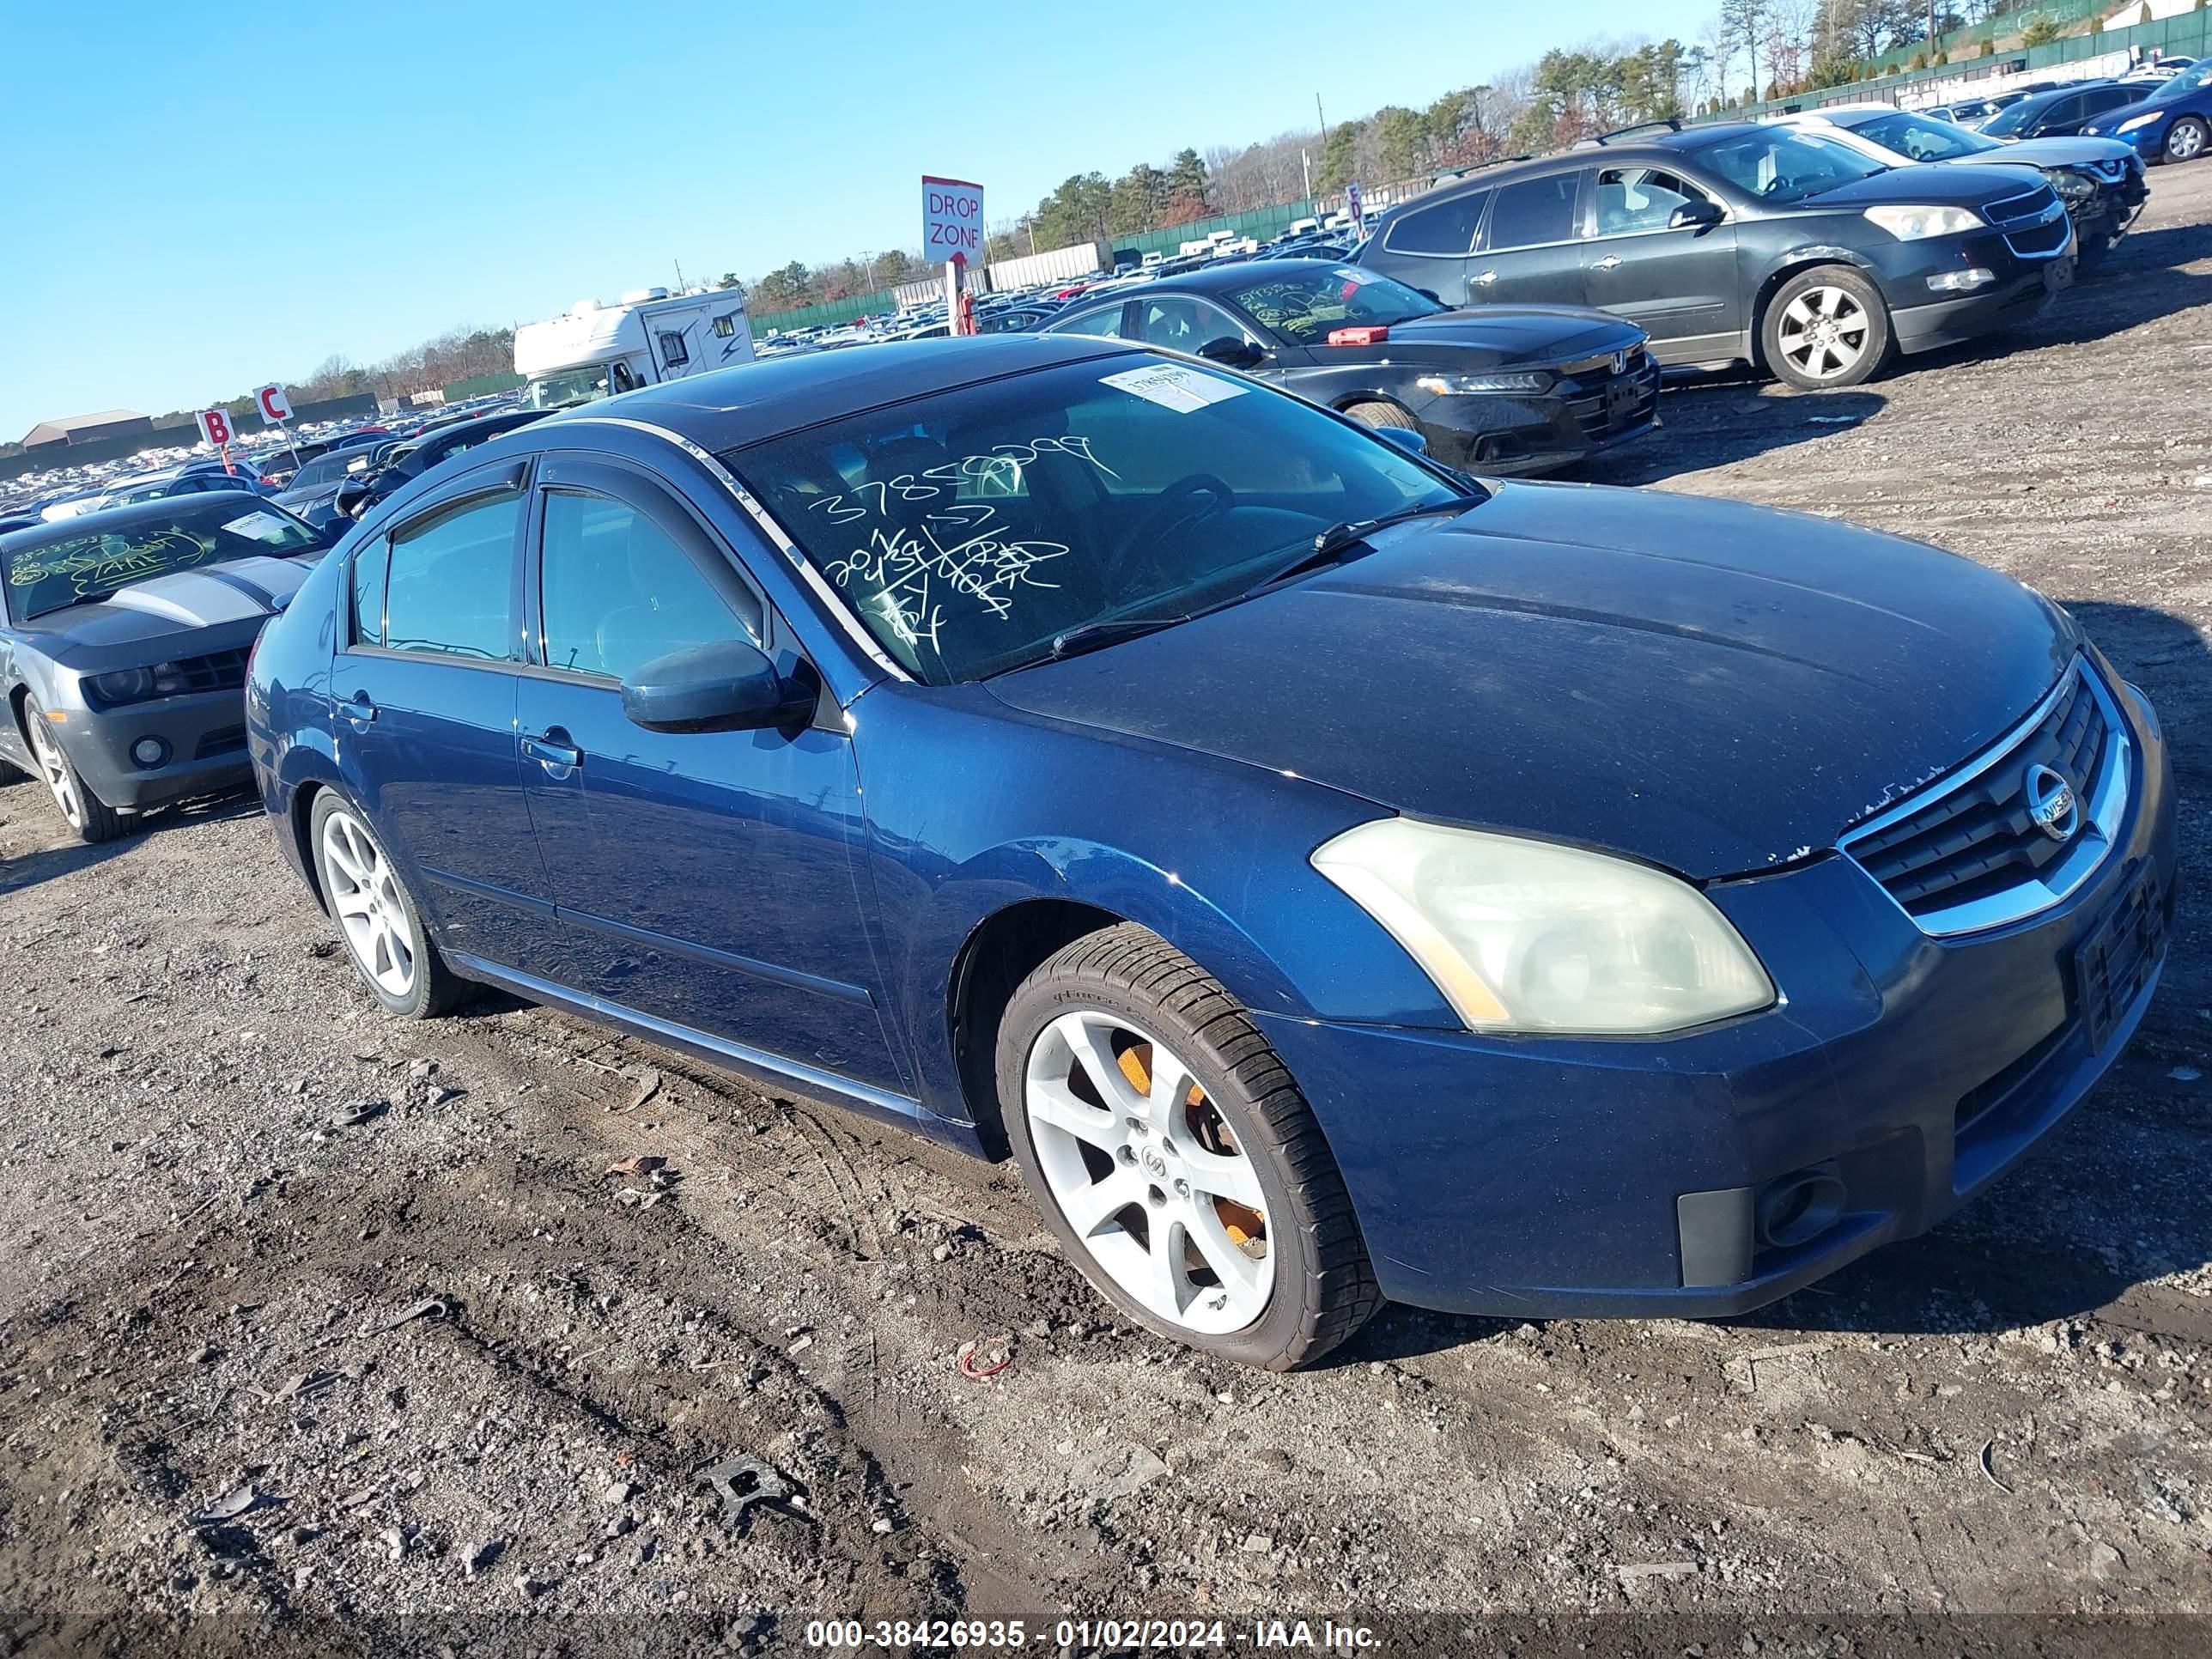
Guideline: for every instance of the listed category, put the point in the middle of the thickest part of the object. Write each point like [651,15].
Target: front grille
[1970,854]
[219,670]
[223,740]
[1600,410]
[2040,241]
[2016,211]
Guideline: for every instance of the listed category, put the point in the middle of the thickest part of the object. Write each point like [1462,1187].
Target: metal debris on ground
[742,1481]
[982,1360]
[430,1307]
[352,1117]
[230,1506]
[1989,1468]
[642,1166]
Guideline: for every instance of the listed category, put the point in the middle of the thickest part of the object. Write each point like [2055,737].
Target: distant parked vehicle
[1743,242]
[2099,180]
[359,491]
[592,351]
[1497,389]
[122,653]
[2172,123]
[313,490]
[2060,112]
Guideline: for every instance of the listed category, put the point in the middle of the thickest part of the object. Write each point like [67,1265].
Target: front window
[2015,117]
[1632,200]
[968,530]
[1776,165]
[89,566]
[1303,304]
[1919,139]
[584,384]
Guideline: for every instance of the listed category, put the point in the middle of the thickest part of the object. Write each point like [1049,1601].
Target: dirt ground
[269,1361]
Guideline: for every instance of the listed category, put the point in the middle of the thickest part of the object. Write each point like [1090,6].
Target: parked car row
[2163,111]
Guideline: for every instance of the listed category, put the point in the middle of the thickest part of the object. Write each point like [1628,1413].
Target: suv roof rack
[1669,124]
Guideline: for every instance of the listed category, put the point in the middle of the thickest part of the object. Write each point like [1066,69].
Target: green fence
[482,386]
[2186,35]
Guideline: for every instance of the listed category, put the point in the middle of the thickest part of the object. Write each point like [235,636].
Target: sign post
[215,427]
[952,234]
[276,410]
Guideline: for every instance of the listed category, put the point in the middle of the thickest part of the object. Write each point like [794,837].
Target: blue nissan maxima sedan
[1330,877]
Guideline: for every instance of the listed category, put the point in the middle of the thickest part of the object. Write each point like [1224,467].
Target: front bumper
[1505,433]
[1531,1176]
[204,733]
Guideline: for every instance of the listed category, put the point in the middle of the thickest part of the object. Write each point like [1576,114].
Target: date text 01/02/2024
[1314,1635]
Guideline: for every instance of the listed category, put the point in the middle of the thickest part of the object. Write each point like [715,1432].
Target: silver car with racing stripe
[123,645]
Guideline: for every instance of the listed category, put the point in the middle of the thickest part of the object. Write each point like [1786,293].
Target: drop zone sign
[952,220]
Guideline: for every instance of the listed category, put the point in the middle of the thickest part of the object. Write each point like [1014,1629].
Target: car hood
[222,600]
[1712,687]
[1945,187]
[2053,153]
[1496,337]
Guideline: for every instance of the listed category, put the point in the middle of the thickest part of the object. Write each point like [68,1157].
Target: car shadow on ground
[2112,1201]
[70,855]
[1718,417]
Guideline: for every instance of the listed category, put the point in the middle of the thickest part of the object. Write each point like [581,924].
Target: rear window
[1539,211]
[94,563]
[1444,231]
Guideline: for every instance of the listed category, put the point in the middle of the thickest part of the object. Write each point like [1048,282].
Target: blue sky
[199,198]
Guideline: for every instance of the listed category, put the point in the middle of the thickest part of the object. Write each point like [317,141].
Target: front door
[1531,250]
[705,879]
[424,685]
[1679,286]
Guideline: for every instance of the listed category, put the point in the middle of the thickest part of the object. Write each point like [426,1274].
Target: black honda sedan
[1498,389]
[1744,243]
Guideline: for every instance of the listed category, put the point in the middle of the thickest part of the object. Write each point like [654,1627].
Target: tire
[93,818]
[377,917]
[1797,351]
[1114,1016]
[2185,139]
[1383,413]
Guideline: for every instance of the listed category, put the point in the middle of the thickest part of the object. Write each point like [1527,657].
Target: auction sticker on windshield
[1171,386]
[260,527]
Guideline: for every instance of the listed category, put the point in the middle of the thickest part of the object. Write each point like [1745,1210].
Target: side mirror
[1231,352]
[1694,215]
[1405,437]
[727,686]
[353,497]
[1429,295]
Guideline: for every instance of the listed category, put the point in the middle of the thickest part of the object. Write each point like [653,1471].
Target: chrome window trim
[2053,887]
[777,536]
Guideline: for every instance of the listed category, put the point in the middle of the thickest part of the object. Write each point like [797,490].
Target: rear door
[1678,286]
[703,879]
[424,685]
[1531,248]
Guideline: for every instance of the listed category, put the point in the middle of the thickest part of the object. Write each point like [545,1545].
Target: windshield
[2183,84]
[1776,165]
[1919,139]
[1303,303]
[580,385]
[56,574]
[967,530]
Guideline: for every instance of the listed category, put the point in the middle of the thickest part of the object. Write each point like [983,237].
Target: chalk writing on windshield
[100,564]
[937,535]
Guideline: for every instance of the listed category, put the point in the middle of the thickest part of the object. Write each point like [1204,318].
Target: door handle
[1487,278]
[358,709]
[1609,262]
[552,753]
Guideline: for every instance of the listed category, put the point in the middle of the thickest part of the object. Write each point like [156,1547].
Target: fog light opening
[1955,282]
[150,752]
[1798,1208]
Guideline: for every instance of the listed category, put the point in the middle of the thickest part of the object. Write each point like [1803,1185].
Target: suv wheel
[93,818]
[1382,414]
[1173,1156]
[383,934]
[1825,327]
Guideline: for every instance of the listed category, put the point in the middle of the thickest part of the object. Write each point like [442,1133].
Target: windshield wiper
[1092,634]
[1330,546]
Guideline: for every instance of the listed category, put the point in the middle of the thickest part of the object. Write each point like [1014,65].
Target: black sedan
[357,493]
[1498,389]
[1740,242]
[123,636]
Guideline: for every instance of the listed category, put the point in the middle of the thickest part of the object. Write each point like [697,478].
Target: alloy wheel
[54,768]
[365,897]
[1824,332]
[1148,1173]
[2185,141]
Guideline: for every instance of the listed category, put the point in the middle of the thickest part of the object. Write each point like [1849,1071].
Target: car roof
[728,408]
[1657,148]
[1214,279]
[118,518]
[2039,99]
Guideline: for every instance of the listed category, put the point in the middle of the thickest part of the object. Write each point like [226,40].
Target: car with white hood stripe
[125,636]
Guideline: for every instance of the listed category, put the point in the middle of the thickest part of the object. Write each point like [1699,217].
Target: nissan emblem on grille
[2051,802]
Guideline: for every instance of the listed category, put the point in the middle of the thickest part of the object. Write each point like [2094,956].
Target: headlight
[1916,224]
[122,685]
[2133,122]
[1461,386]
[2073,186]
[1526,936]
